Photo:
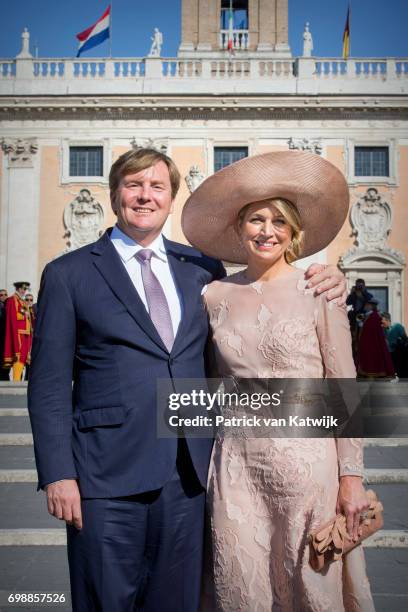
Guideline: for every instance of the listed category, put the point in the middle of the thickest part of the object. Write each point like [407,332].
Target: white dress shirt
[127,249]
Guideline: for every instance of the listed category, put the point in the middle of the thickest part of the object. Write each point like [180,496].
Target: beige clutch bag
[331,541]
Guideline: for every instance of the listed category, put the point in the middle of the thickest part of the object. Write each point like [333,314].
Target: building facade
[229,93]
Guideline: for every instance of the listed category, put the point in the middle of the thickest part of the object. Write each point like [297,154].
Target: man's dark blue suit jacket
[93,329]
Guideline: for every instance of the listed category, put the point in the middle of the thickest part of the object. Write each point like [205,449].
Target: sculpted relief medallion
[83,219]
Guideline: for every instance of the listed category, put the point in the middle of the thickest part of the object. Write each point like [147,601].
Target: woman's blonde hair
[291,215]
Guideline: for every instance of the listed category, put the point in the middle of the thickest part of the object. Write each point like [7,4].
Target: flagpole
[349,7]
[110,30]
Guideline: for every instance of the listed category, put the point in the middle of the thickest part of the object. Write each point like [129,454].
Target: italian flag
[230,30]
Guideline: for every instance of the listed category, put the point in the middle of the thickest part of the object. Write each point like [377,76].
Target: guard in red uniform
[18,336]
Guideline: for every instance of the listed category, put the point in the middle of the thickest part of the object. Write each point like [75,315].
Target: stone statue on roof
[307,41]
[157,42]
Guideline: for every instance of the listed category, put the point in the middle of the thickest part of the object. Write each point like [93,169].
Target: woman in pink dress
[266,495]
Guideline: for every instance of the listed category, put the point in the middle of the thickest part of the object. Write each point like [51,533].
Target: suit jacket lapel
[114,272]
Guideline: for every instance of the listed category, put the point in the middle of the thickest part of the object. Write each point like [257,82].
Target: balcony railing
[319,76]
[240,39]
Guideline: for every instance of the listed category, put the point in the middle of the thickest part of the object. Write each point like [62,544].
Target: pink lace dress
[266,495]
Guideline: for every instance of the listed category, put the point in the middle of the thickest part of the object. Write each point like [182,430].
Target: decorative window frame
[218,145]
[105,143]
[392,179]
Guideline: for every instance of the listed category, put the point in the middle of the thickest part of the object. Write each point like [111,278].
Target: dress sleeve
[335,346]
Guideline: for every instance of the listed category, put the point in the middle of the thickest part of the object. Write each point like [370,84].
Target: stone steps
[385,538]
[17,457]
[33,537]
[29,507]
[371,476]
[13,412]
[386,457]
[32,543]
[16,439]
[387,572]
[15,424]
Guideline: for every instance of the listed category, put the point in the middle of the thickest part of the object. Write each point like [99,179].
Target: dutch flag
[95,34]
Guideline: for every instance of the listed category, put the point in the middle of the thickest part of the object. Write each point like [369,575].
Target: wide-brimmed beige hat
[316,187]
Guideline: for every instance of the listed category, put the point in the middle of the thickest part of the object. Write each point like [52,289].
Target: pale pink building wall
[53,199]
[399,234]
[342,242]
[184,158]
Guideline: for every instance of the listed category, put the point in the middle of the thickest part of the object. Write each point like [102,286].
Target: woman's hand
[329,279]
[352,501]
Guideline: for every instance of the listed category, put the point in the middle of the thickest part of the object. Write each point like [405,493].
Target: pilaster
[253,22]
[189,25]
[282,33]
[21,211]
[267,25]
[205,8]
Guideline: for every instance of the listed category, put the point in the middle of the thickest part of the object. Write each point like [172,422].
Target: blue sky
[378,27]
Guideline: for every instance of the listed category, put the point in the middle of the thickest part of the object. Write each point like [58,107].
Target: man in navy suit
[134,504]
[113,317]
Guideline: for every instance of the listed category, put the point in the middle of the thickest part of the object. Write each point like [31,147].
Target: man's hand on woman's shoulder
[327,279]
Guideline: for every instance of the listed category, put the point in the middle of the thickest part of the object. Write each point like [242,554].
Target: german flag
[346,36]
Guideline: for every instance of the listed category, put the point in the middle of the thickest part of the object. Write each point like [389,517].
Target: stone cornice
[204,108]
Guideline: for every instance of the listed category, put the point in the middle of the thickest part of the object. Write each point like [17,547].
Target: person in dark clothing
[373,357]
[397,342]
[357,299]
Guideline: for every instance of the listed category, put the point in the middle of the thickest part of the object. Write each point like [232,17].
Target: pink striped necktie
[156,299]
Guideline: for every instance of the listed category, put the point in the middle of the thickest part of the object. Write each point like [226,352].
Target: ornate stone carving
[371,220]
[157,42]
[160,145]
[307,41]
[20,151]
[83,219]
[306,144]
[194,178]
[377,258]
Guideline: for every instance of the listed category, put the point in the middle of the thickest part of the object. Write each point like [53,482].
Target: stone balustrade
[240,39]
[319,76]
[362,68]
[7,69]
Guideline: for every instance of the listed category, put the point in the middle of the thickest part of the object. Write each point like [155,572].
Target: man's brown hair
[134,161]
